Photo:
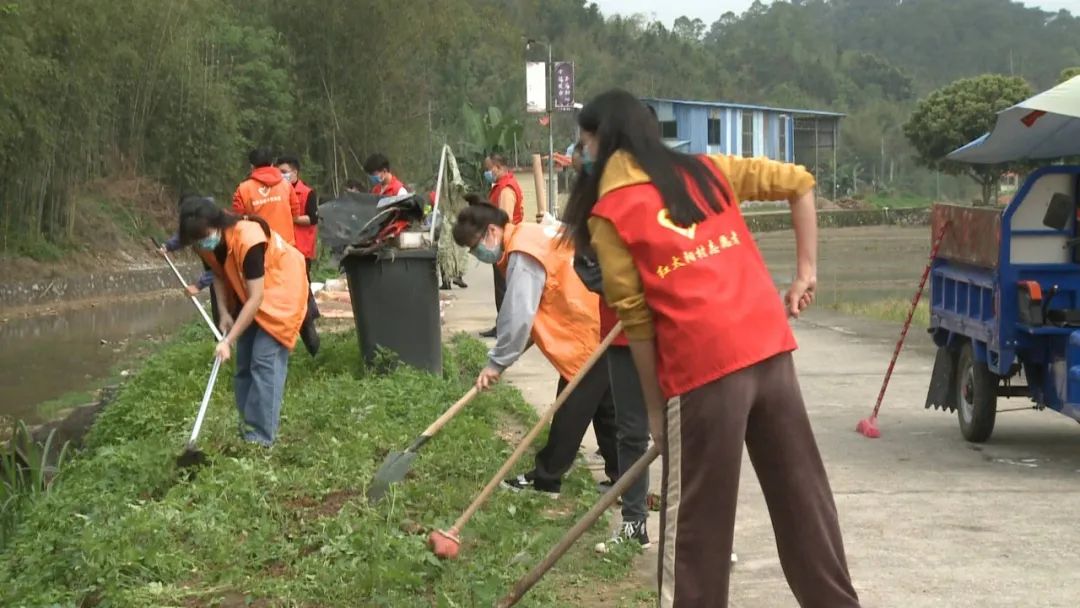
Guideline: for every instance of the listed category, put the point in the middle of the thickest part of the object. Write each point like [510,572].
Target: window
[669,130]
[782,152]
[748,134]
[716,132]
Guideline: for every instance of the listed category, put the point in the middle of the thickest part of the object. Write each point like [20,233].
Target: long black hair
[199,214]
[620,121]
[473,222]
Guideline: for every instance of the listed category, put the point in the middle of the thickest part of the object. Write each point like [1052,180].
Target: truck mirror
[1058,212]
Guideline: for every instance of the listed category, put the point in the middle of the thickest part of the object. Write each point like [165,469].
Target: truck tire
[976,396]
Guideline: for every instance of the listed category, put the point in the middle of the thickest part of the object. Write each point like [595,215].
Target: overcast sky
[710,10]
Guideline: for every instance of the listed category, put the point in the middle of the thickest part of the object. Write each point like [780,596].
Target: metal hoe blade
[393,469]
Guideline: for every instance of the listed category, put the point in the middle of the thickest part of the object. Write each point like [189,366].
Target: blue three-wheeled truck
[1005,303]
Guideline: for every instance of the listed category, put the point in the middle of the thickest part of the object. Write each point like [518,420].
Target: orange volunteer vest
[284,303]
[271,200]
[567,325]
[715,307]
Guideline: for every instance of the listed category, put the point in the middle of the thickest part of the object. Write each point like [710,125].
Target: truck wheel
[976,397]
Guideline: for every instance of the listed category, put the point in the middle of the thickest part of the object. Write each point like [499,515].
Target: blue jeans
[261,366]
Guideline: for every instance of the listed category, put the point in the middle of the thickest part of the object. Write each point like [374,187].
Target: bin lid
[341,220]
[389,254]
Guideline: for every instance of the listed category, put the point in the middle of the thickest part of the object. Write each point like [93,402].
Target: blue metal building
[808,137]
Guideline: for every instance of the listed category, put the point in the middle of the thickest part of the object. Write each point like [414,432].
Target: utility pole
[552,184]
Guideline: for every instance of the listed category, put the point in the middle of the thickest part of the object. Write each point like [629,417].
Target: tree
[689,29]
[957,114]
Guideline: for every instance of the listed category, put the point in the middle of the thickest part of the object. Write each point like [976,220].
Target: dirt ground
[928,519]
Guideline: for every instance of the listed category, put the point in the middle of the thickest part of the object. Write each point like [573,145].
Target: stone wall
[94,285]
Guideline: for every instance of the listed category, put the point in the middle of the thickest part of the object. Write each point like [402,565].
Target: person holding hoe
[546,301]
[256,279]
[712,345]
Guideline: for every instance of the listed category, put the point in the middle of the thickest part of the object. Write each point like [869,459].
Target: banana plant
[489,132]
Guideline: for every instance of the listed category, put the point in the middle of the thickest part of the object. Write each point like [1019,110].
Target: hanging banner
[564,85]
[535,87]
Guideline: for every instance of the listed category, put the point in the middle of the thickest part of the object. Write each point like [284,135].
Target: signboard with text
[564,85]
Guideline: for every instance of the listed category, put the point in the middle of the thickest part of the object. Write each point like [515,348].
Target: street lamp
[551,124]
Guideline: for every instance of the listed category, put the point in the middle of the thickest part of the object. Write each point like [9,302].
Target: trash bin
[395,301]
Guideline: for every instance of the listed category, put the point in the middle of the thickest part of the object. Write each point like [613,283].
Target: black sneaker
[460,283]
[630,531]
[488,334]
[525,482]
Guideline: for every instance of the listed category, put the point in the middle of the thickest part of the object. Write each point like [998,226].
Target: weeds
[27,470]
[893,310]
[289,525]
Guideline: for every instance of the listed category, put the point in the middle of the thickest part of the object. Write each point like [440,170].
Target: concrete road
[928,519]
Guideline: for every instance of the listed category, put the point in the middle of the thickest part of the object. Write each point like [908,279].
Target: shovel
[191,456]
[398,464]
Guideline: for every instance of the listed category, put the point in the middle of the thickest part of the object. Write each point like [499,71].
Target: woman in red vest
[506,194]
[705,325]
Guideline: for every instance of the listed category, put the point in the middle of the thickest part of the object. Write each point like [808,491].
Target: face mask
[489,176]
[287,177]
[210,242]
[485,255]
[375,179]
[488,256]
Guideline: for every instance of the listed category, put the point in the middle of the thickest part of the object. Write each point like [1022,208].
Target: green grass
[290,526]
[894,310]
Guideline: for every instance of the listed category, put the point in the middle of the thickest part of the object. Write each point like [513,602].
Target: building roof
[743,106]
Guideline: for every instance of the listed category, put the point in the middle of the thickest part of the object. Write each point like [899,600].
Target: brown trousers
[706,428]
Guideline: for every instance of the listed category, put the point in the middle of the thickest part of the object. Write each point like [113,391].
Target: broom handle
[911,313]
[194,300]
[450,412]
[537,428]
[526,583]
[205,402]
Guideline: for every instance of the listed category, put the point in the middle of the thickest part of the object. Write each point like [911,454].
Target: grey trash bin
[395,301]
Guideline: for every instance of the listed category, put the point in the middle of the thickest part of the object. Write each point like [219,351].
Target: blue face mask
[488,256]
[210,242]
[375,179]
[489,176]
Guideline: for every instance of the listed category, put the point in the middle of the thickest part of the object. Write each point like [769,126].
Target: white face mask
[288,177]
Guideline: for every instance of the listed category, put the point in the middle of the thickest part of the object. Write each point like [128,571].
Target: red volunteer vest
[507,180]
[715,307]
[608,319]
[305,235]
[390,189]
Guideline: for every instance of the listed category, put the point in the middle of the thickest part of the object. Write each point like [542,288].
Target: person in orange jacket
[266,194]
[257,276]
[712,345]
[547,302]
